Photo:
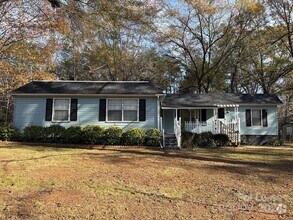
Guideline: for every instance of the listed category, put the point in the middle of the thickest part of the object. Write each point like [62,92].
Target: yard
[38,182]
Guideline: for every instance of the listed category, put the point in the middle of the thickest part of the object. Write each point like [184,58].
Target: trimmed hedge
[34,133]
[74,135]
[53,134]
[133,136]
[152,137]
[92,134]
[204,140]
[113,135]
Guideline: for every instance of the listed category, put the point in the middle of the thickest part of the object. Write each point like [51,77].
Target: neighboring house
[139,104]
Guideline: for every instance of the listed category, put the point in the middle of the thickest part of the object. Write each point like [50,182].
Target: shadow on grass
[44,146]
[280,165]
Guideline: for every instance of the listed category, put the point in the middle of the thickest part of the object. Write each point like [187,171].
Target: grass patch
[41,182]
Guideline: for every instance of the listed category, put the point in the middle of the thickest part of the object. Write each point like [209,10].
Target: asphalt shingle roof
[88,87]
[212,99]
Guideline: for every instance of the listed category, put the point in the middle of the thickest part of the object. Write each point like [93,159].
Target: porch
[218,119]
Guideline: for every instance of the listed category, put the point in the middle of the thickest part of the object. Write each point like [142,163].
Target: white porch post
[158,112]
[214,120]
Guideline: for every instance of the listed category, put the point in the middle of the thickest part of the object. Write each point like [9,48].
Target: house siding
[31,111]
[271,129]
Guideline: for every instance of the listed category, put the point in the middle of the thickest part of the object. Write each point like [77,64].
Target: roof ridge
[90,81]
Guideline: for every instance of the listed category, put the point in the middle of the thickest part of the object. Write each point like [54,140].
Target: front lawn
[38,182]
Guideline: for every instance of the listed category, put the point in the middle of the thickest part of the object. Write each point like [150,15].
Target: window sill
[60,121]
[121,122]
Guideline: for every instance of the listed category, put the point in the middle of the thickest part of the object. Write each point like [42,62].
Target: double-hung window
[256,117]
[61,110]
[122,109]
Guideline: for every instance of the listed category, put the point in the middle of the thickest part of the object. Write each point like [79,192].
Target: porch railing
[198,127]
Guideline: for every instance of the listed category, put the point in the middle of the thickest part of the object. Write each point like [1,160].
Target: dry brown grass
[39,182]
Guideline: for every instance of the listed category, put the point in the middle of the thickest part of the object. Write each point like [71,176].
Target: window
[61,110]
[221,113]
[114,109]
[256,117]
[122,110]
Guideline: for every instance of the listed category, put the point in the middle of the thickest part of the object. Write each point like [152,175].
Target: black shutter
[73,110]
[265,118]
[102,110]
[248,117]
[178,113]
[142,110]
[49,109]
[203,115]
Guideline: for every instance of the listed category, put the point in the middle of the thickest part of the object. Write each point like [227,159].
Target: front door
[168,120]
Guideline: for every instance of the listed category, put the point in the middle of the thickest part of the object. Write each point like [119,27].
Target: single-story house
[139,104]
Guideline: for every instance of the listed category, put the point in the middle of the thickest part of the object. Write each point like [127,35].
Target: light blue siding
[271,129]
[31,111]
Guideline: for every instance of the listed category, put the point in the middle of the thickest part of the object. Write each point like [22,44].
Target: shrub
[74,135]
[221,139]
[188,139]
[152,137]
[33,133]
[205,139]
[93,134]
[9,133]
[275,141]
[133,136]
[53,134]
[112,135]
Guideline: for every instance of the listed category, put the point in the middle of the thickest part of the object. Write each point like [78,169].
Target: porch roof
[217,100]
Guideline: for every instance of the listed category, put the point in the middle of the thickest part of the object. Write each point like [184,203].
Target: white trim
[53,110]
[122,111]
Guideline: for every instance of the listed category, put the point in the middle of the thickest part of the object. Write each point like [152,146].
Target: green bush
[73,135]
[275,141]
[152,137]
[133,136]
[33,133]
[205,139]
[112,135]
[93,134]
[188,139]
[53,134]
[9,133]
[221,139]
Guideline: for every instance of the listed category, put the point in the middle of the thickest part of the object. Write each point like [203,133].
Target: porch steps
[170,142]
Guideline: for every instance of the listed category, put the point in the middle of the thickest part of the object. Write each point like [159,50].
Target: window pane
[115,104]
[61,115]
[256,117]
[221,113]
[130,115]
[61,104]
[130,104]
[114,115]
